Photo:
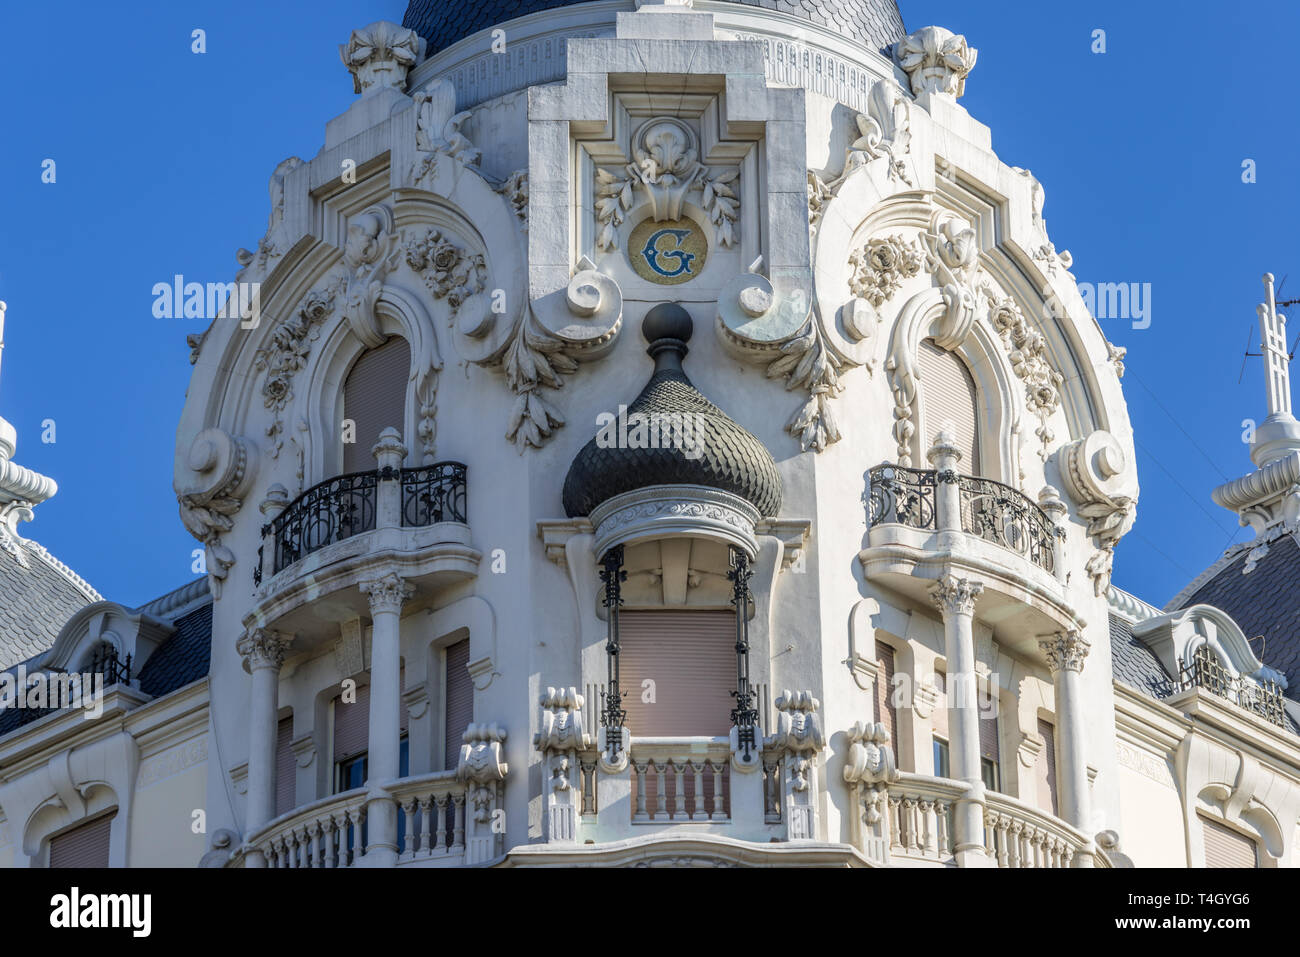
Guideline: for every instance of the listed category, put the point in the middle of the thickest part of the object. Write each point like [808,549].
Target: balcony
[924,523]
[1263,698]
[332,832]
[911,825]
[351,527]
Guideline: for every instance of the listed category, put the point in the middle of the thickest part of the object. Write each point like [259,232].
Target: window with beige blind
[950,402]
[85,845]
[677,672]
[886,712]
[285,768]
[374,399]
[1226,847]
[458,699]
[1045,769]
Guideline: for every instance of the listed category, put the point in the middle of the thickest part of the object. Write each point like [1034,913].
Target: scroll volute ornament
[1097,474]
[211,487]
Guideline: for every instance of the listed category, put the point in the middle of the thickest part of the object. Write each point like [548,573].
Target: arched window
[374,399]
[950,402]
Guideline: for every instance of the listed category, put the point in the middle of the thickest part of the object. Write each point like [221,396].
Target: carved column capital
[263,648]
[956,596]
[1065,649]
[387,593]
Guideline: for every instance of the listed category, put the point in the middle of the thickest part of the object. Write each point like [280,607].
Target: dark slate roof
[36,601]
[180,660]
[873,23]
[728,457]
[1265,602]
[1134,664]
[183,658]
[1137,666]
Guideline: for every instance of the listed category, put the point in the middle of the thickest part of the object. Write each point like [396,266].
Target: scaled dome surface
[873,23]
[729,457]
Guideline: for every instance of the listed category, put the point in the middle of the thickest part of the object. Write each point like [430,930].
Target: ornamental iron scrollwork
[901,496]
[744,716]
[1204,671]
[612,713]
[433,494]
[1000,514]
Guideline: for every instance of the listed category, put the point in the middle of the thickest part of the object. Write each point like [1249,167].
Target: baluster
[1067,856]
[927,842]
[441,843]
[1044,842]
[409,838]
[679,792]
[661,790]
[329,829]
[697,812]
[909,824]
[990,832]
[300,845]
[719,806]
[1004,840]
[588,787]
[427,808]
[638,812]
[458,836]
[895,822]
[944,844]
[1013,844]
[314,855]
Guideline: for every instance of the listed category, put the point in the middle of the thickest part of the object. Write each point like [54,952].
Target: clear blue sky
[163,158]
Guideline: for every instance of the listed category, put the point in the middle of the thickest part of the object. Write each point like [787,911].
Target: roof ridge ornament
[1279,435]
[936,60]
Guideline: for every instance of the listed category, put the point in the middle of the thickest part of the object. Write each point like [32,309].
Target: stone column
[955,598]
[263,652]
[1066,651]
[387,595]
[1049,500]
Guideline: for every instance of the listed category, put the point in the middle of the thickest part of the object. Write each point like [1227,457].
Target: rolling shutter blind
[285,768]
[948,391]
[691,658]
[1046,768]
[374,397]
[459,700]
[886,713]
[1225,847]
[86,845]
[989,737]
[352,725]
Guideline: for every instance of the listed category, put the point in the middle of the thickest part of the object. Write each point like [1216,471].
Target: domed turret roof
[717,452]
[873,23]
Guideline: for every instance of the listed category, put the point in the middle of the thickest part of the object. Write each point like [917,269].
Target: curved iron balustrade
[346,505]
[901,496]
[990,510]
[1005,516]
[1204,671]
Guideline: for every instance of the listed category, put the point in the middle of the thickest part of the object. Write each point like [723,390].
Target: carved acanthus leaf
[666,169]
[437,133]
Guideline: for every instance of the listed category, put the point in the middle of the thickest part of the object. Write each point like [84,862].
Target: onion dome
[697,443]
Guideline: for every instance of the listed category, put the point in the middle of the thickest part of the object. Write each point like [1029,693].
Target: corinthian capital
[388,593]
[956,596]
[263,648]
[1065,649]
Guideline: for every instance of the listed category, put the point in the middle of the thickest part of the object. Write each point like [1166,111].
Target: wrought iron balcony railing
[989,510]
[1002,515]
[901,496]
[347,505]
[1263,698]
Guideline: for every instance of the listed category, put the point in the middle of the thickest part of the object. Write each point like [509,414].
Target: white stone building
[823,579]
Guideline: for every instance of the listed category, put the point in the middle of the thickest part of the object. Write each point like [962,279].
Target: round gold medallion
[668,253]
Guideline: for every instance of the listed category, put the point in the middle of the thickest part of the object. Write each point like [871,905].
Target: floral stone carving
[666,169]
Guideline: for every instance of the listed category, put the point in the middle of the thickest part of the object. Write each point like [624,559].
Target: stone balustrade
[326,833]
